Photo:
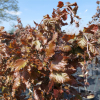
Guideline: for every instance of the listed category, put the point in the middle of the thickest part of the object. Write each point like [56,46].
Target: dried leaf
[58,64]
[50,85]
[19,64]
[66,37]
[35,95]
[96,60]
[56,93]
[50,49]
[46,16]
[63,24]
[75,9]
[82,43]
[71,4]
[38,44]
[64,11]
[64,17]
[35,24]
[31,30]
[59,77]
[66,48]
[53,13]
[60,4]
[16,82]
[59,67]
[90,29]
[71,19]
[42,38]
[12,44]
[23,41]
[93,49]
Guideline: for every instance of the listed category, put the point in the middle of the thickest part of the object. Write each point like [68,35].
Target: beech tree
[5,7]
[43,60]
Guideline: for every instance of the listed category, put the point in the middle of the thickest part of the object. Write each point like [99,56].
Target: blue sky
[30,10]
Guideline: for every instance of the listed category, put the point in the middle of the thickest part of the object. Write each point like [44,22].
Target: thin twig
[87,45]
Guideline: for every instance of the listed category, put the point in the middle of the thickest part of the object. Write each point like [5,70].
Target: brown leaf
[58,63]
[25,75]
[35,24]
[96,60]
[94,29]
[66,37]
[31,30]
[23,41]
[93,49]
[59,67]
[50,49]
[78,17]
[59,77]
[66,48]
[16,82]
[12,44]
[51,83]
[70,69]
[90,29]
[60,4]
[35,95]
[82,43]
[42,38]
[71,4]
[34,73]
[64,11]
[56,93]
[19,64]
[64,17]
[53,13]
[71,19]
[46,16]
[75,9]
[51,46]
[57,58]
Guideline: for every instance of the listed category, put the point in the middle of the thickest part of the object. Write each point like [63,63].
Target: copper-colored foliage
[19,64]
[23,41]
[42,38]
[72,20]
[13,44]
[91,29]
[25,75]
[66,48]
[66,37]
[50,85]
[51,46]
[64,17]
[93,49]
[71,4]
[58,64]
[45,57]
[46,16]
[16,82]
[56,93]
[60,4]
[54,14]
[50,49]
[39,64]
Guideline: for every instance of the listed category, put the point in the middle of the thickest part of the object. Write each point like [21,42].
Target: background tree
[5,6]
[12,30]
